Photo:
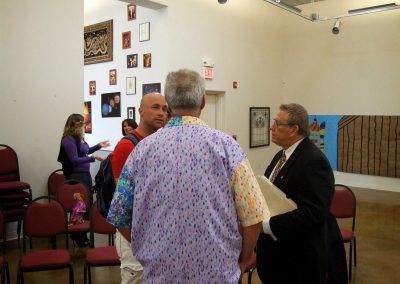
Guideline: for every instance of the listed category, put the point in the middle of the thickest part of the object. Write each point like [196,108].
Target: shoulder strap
[132,138]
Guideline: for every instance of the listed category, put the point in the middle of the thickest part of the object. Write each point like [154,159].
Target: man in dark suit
[303,246]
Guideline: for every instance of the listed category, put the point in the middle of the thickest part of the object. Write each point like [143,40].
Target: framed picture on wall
[131,9]
[259,126]
[151,88]
[147,60]
[131,60]
[111,104]
[87,116]
[130,113]
[96,36]
[92,88]
[126,40]
[144,31]
[130,85]
[112,76]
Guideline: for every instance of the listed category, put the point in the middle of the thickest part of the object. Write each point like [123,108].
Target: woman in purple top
[74,151]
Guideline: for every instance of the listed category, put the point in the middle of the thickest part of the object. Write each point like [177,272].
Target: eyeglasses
[276,124]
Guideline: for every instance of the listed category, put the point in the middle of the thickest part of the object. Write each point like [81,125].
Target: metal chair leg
[350,260]
[71,274]
[355,252]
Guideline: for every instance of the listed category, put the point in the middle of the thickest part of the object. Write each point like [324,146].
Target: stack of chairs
[15,194]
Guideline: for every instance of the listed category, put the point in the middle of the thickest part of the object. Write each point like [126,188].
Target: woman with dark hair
[128,125]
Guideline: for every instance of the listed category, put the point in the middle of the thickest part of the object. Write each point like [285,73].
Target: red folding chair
[65,194]
[45,217]
[99,256]
[343,207]
[56,178]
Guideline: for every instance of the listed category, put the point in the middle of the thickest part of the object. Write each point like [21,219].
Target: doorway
[213,113]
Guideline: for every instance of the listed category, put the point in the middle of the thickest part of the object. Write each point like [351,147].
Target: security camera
[222,1]
[336,27]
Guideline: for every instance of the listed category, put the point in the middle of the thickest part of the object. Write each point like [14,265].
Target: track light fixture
[222,1]
[336,27]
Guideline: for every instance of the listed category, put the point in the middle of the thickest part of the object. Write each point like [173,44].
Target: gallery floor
[378,247]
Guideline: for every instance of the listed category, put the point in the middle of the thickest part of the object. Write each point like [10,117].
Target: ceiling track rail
[313,17]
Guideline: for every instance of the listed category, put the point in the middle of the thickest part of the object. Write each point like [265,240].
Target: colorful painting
[360,144]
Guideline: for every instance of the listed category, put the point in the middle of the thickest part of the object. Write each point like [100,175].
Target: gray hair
[297,115]
[184,90]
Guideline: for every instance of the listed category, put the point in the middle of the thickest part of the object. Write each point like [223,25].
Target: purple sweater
[82,161]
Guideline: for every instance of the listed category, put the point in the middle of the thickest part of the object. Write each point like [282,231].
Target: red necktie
[278,167]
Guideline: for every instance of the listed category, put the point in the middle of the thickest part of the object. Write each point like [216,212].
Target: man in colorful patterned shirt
[184,191]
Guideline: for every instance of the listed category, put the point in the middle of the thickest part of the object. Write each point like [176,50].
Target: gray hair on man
[184,90]
[297,115]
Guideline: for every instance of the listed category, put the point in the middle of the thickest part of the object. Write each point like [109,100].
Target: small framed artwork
[96,36]
[126,40]
[113,76]
[87,116]
[259,126]
[130,113]
[151,88]
[131,60]
[144,31]
[130,85]
[147,60]
[111,104]
[92,88]
[131,9]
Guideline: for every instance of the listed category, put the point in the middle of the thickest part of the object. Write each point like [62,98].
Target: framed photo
[130,113]
[92,88]
[112,74]
[151,88]
[111,104]
[259,126]
[130,85]
[131,10]
[87,116]
[147,60]
[131,60]
[126,40]
[98,42]
[144,31]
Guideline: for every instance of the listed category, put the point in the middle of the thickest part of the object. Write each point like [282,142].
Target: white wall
[353,73]
[102,10]
[41,79]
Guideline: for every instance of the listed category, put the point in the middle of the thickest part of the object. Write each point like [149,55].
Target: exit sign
[208,72]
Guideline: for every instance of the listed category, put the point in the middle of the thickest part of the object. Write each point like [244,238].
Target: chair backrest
[65,193]
[56,178]
[99,224]
[9,170]
[344,203]
[44,217]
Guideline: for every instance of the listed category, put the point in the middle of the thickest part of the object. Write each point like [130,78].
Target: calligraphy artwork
[98,42]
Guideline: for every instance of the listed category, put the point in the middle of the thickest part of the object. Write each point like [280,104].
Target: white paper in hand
[276,200]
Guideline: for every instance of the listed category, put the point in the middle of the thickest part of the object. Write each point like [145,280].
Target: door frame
[219,108]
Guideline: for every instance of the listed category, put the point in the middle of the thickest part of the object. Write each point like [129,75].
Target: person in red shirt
[153,115]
